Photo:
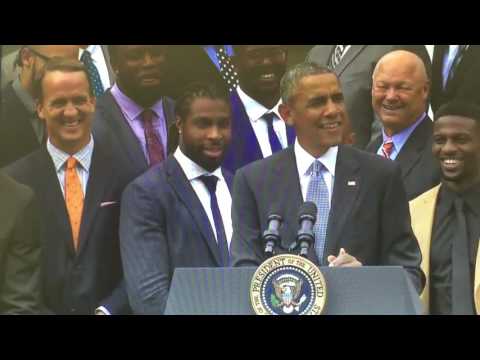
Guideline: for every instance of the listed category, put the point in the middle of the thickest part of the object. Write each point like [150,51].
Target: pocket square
[107,203]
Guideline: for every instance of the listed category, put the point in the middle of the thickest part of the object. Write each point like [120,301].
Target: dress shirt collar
[191,169]
[131,109]
[399,139]
[59,157]
[305,160]
[254,109]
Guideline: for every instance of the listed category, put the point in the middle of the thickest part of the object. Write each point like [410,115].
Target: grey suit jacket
[355,72]
[369,214]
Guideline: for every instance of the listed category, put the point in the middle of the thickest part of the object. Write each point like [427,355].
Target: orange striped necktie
[73,199]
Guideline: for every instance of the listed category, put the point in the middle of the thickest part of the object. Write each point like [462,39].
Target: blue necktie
[317,192]
[92,73]
[211,184]
[272,136]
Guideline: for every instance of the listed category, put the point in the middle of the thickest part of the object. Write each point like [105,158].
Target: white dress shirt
[193,171]
[305,160]
[99,61]
[255,112]
[83,157]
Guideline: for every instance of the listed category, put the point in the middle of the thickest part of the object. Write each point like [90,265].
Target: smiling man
[363,216]
[177,214]
[78,187]
[135,113]
[446,219]
[258,129]
[400,98]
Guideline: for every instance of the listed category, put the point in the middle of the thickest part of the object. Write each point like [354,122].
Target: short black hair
[459,108]
[195,91]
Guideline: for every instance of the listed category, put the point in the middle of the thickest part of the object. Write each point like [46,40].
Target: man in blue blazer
[257,128]
[177,214]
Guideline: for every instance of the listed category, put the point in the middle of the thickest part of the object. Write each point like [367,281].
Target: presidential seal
[288,285]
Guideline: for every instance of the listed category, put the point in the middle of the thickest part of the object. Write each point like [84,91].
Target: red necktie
[152,139]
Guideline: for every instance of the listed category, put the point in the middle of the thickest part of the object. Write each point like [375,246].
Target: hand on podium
[343,260]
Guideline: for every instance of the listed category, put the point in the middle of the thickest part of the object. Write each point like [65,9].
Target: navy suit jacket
[77,283]
[163,226]
[244,148]
[420,170]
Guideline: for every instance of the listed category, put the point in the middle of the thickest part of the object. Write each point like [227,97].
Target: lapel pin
[351,183]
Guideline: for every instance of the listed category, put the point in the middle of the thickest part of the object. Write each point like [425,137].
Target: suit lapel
[185,192]
[100,178]
[53,195]
[346,189]
[412,150]
[351,54]
[127,139]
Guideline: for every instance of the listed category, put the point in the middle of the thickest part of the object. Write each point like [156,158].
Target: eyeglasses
[41,56]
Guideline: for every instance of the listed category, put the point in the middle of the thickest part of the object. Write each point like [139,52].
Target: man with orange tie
[78,186]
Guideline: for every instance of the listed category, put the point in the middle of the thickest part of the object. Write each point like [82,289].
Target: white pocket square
[107,203]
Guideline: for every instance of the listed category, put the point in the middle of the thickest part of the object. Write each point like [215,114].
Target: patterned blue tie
[272,136]
[92,73]
[211,184]
[318,193]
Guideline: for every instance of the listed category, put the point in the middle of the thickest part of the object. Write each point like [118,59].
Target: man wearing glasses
[21,132]
[257,128]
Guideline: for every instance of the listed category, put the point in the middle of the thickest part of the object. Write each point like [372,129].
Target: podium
[368,290]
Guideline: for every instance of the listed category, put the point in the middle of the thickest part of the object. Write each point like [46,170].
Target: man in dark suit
[78,185]
[455,74]
[363,221]
[20,250]
[400,96]
[257,126]
[178,213]
[354,66]
[21,132]
[209,64]
[135,114]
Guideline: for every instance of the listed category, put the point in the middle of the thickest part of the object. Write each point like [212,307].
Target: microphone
[271,236]
[307,218]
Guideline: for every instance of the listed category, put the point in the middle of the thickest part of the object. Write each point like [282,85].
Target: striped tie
[387,148]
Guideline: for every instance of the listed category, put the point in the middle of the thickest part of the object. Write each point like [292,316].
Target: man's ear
[27,58]
[286,114]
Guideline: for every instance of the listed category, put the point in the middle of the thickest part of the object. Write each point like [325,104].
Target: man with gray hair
[341,180]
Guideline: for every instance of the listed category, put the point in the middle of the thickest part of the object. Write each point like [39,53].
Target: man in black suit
[455,74]
[21,132]
[78,186]
[20,250]
[363,221]
[400,93]
[135,114]
[178,213]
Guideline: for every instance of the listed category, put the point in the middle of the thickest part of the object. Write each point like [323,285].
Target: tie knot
[148,115]
[86,56]
[269,118]
[316,168]
[210,182]
[219,48]
[71,163]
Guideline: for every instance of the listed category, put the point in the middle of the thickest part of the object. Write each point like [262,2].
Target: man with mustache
[135,113]
[400,98]
[446,219]
[177,214]
[362,217]
[257,127]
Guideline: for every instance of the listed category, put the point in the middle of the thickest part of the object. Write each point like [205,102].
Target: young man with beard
[446,219]
[178,213]
[363,216]
[257,127]
[134,113]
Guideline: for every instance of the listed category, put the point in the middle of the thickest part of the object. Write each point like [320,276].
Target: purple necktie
[272,136]
[211,184]
[152,139]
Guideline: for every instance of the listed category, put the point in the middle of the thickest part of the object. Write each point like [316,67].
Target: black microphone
[271,236]
[307,218]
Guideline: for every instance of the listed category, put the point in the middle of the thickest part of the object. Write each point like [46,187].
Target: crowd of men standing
[121,163]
